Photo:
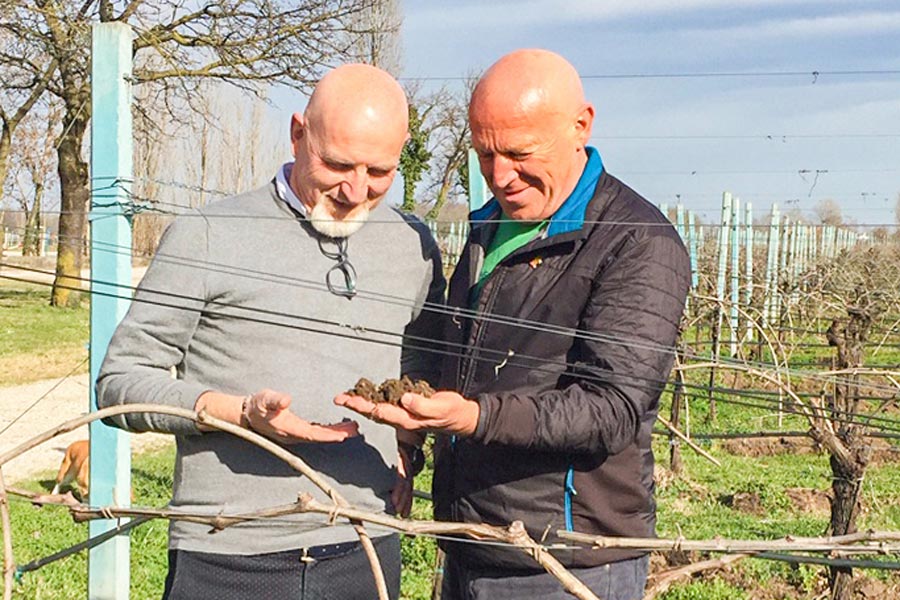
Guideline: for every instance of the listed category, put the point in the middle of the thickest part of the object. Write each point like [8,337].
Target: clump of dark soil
[810,501]
[745,502]
[771,446]
[391,390]
[881,451]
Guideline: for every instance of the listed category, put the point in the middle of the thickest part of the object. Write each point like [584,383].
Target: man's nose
[355,187]
[502,172]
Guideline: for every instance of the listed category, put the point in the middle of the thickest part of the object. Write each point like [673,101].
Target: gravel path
[69,399]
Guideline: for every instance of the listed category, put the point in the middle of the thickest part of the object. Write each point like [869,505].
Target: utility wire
[438,308]
[44,395]
[814,75]
[530,362]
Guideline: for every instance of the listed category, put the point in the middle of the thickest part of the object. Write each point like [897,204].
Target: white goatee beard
[327,225]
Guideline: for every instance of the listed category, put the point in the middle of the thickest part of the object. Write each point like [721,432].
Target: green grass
[40,532]
[39,341]
[693,506]
[419,553]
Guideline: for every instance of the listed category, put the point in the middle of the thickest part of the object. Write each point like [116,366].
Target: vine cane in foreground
[515,534]
[9,563]
[254,438]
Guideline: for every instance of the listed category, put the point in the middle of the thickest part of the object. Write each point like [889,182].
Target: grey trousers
[624,580]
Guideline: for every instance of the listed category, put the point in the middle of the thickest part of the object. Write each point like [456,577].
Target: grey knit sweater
[235,300]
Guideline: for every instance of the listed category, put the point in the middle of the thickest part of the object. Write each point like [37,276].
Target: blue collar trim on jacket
[569,216]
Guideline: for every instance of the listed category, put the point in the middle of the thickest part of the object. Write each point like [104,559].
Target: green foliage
[714,589]
[414,158]
[419,553]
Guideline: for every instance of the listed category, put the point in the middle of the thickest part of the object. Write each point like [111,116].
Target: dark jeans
[342,573]
[624,580]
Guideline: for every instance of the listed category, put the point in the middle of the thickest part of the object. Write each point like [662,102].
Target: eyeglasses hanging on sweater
[341,278]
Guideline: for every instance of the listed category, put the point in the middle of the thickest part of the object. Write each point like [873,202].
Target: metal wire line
[439,308]
[643,383]
[463,312]
[44,395]
[145,203]
[790,408]
[486,317]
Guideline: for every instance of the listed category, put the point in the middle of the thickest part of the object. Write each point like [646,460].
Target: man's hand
[444,412]
[266,412]
[401,495]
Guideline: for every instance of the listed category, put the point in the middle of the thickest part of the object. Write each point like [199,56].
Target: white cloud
[529,13]
[835,25]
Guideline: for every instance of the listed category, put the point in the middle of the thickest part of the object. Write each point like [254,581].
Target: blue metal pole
[735,272]
[748,265]
[724,231]
[478,188]
[770,314]
[692,243]
[679,220]
[111,168]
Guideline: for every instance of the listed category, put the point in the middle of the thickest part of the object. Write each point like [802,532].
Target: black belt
[328,550]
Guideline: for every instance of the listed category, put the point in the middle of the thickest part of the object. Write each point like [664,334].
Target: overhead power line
[814,75]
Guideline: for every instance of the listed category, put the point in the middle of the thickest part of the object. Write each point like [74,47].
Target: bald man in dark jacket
[568,298]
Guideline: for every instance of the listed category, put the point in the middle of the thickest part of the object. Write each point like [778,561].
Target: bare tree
[897,210]
[443,140]
[828,212]
[379,42]
[247,43]
[23,84]
[30,168]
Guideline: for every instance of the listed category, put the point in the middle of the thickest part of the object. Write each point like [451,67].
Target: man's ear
[298,130]
[584,123]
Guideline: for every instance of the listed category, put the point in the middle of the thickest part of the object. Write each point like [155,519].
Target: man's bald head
[347,146]
[525,81]
[530,124]
[365,95]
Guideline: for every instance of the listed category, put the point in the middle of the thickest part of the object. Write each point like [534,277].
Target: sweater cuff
[184,396]
[484,407]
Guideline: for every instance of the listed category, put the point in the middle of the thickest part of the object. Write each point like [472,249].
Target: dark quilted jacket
[568,367]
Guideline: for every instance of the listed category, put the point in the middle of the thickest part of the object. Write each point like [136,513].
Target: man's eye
[518,155]
[334,166]
[379,172]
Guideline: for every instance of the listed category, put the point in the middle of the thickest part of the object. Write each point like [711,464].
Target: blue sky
[700,136]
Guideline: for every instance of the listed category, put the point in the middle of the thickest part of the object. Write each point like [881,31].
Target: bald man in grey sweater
[267,305]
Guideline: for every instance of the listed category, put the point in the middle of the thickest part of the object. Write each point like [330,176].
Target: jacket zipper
[477,333]
[569,492]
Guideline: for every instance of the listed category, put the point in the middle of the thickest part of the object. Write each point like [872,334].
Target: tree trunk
[5,144]
[849,341]
[846,484]
[435,211]
[74,192]
[443,191]
[31,244]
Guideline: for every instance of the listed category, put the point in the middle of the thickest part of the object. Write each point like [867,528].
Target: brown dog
[75,466]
